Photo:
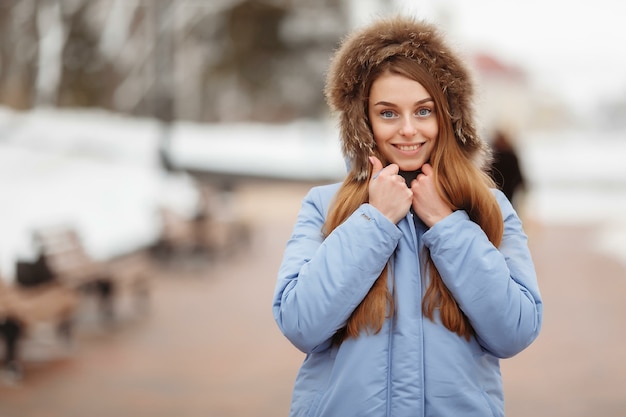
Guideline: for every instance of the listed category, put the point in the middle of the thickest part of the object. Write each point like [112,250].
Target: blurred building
[503,91]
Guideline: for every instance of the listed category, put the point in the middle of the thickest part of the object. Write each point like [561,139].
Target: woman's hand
[388,191]
[427,203]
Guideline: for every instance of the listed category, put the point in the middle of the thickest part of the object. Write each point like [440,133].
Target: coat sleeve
[321,281]
[495,287]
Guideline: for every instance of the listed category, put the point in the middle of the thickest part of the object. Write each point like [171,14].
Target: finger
[377,166]
[392,169]
[427,169]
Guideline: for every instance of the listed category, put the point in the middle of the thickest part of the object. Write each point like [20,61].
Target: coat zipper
[416,241]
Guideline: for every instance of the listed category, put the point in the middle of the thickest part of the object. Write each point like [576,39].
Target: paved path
[209,346]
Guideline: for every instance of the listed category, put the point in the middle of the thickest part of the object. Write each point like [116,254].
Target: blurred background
[161,148]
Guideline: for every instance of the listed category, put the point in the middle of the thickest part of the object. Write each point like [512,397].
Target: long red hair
[460,182]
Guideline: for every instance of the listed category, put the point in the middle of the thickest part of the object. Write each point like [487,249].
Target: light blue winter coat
[413,366]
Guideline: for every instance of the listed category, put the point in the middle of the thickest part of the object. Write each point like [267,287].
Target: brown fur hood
[366,48]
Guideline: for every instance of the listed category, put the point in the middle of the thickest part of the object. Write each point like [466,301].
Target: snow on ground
[100,172]
[300,150]
[94,171]
[579,177]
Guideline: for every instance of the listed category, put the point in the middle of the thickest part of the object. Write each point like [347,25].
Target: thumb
[377,166]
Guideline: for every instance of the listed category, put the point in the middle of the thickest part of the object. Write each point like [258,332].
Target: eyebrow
[388,104]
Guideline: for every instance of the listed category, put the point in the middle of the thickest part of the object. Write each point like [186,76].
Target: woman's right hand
[388,191]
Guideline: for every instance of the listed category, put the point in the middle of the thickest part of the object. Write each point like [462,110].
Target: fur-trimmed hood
[367,48]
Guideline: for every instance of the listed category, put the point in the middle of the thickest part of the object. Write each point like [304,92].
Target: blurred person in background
[405,284]
[506,170]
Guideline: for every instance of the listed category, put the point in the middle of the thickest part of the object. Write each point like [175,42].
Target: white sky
[573,47]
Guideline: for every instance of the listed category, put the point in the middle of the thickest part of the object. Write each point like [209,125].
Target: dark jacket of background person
[506,170]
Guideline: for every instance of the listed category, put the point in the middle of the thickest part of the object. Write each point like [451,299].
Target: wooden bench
[71,266]
[202,234]
[216,230]
[22,309]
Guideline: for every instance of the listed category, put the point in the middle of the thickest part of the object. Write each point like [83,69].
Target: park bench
[216,230]
[22,309]
[70,265]
[206,234]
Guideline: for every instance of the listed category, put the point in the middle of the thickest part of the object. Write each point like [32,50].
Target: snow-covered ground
[306,150]
[579,177]
[91,170]
[100,172]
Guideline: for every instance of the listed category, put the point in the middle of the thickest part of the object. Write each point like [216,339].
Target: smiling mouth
[408,148]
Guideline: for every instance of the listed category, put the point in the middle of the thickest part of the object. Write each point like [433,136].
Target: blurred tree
[273,58]
[252,55]
[87,78]
[227,60]
[18,52]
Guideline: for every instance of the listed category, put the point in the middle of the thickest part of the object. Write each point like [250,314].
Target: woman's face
[404,124]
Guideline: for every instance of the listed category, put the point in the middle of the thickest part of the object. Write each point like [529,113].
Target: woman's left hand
[427,203]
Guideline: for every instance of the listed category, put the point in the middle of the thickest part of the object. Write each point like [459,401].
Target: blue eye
[387,114]
[423,112]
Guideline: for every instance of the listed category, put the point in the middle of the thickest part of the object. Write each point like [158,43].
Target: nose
[408,128]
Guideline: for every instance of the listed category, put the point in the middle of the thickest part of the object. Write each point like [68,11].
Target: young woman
[406,283]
